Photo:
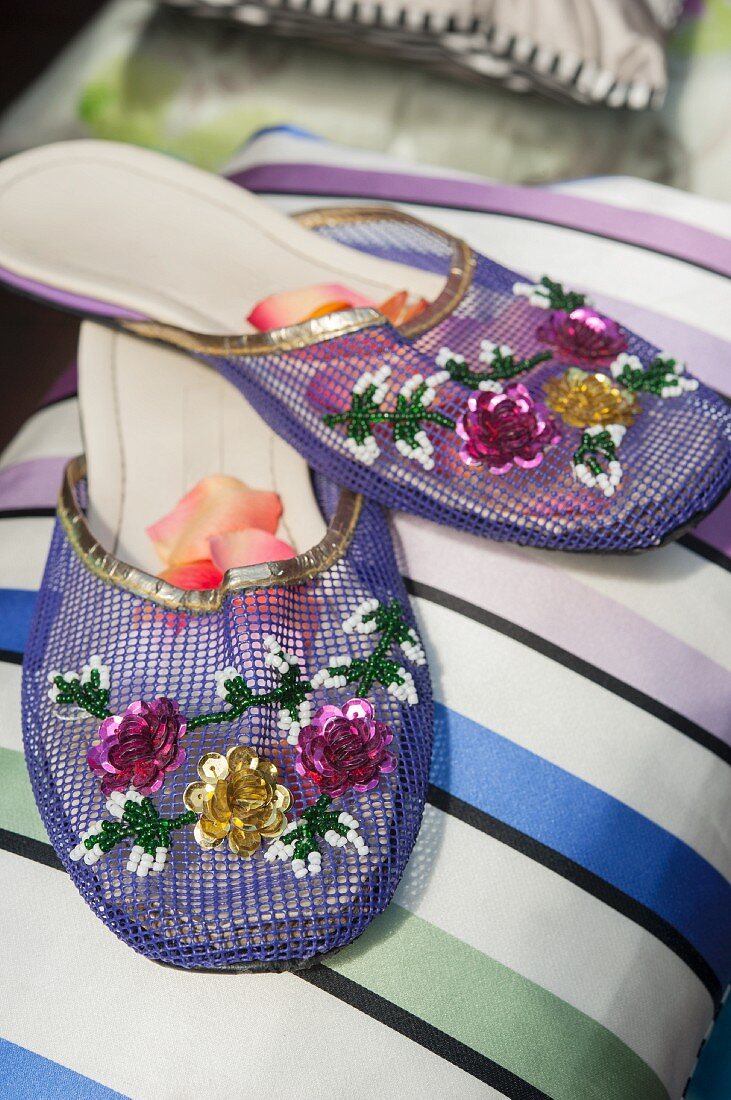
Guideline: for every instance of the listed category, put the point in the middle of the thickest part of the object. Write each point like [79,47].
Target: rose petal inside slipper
[194,575]
[250,547]
[216,505]
[292,306]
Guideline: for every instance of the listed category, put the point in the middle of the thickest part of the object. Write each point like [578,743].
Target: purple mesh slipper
[507,408]
[233,777]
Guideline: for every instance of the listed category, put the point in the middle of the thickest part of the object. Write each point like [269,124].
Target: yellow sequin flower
[584,399]
[237,797]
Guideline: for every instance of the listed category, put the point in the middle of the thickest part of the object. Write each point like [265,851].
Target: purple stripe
[78,303]
[654,231]
[31,484]
[64,386]
[548,602]
[716,528]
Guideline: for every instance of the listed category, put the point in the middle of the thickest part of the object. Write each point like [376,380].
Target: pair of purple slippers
[235,777]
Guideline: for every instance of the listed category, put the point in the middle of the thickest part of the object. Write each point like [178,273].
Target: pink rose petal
[251,547]
[292,306]
[194,575]
[217,504]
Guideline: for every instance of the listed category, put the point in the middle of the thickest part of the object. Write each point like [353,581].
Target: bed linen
[562,929]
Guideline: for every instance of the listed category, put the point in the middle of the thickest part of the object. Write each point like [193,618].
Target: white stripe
[673,588]
[81,998]
[651,280]
[560,937]
[23,550]
[10,728]
[48,433]
[564,718]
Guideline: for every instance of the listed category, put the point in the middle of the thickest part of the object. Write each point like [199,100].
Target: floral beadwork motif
[599,445]
[136,819]
[582,399]
[502,430]
[502,361]
[237,796]
[238,799]
[298,842]
[138,748]
[345,748]
[664,376]
[583,336]
[406,419]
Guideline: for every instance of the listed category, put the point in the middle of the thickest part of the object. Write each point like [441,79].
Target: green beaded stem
[91,697]
[654,379]
[378,668]
[407,419]
[317,820]
[292,691]
[142,823]
[558,298]
[592,445]
[501,368]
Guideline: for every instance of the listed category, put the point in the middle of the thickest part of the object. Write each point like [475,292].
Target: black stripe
[38,850]
[10,657]
[575,664]
[378,1008]
[704,550]
[416,1029]
[586,880]
[27,513]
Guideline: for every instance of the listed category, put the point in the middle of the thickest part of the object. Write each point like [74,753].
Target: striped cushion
[562,929]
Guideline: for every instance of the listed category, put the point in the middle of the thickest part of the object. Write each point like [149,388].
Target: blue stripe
[588,826]
[16,612]
[27,1076]
[712,1079]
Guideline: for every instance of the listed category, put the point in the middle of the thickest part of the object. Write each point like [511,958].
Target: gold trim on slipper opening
[98,561]
[319,329]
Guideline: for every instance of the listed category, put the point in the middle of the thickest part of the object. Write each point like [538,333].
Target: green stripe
[487,1006]
[453,987]
[18,811]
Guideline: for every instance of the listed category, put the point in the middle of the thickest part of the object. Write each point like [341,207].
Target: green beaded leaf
[504,365]
[558,298]
[90,696]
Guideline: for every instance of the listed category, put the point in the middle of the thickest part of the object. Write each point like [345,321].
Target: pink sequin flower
[344,748]
[584,337]
[139,747]
[501,430]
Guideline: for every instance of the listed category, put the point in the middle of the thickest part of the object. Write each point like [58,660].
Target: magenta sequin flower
[501,430]
[138,747]
[583,336]
[344,748]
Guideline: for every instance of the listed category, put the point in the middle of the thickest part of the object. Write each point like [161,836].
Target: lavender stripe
[707,356]
[31,484]
[78,303]
[653,231]
[548,602]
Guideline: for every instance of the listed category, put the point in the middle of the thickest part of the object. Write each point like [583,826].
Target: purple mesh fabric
[212,909]
[676,458]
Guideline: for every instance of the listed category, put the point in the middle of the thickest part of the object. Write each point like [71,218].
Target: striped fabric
[563,926]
